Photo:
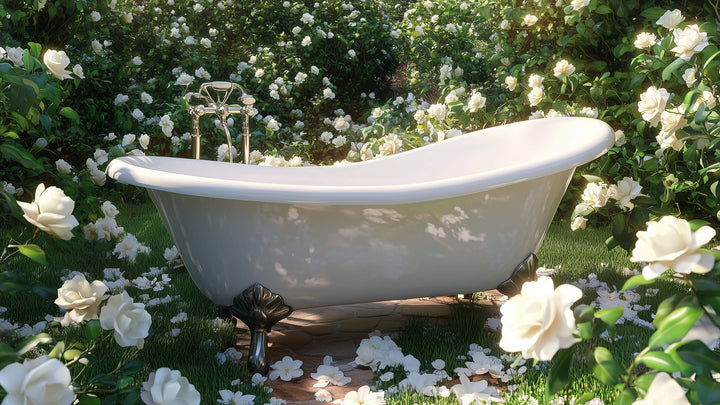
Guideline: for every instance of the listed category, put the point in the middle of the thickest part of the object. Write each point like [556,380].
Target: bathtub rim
[133,170]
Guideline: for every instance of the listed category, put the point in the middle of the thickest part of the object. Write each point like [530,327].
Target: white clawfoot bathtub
[456,216]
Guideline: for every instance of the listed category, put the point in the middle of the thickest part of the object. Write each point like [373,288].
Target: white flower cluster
[105,227]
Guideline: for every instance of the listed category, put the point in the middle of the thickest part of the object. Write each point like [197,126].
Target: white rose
[670,242]
[579,4]
[624,191]
[56,62]
[535,96]
[81,298]
[51,211]
[38,381]
[530,19]
[96,46]
[595,195]
[129,320]
[563,69]
[689,77]
[109,210]
[62,166]
[165,387]
[477,101]
[437,111]
[645,40]
[95,16]
[273,125]
[78,70]
[535,81]
[664,390]
[511,82]
[144,141]
[671,19]
[538,321]
[689,41]
[652,104]
[578,223]
[620,137]
[672,120]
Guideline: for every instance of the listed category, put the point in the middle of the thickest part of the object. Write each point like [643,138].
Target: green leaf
[124,382]
[675,326]
[89,399]
[71,354]
[35,49]
[559,374]
[7,354]
[57,351]
[592,179]
[696,224]
[15,209]
[606,368]
[32,342]
[708,390]
[603,9]
[659,361]
[70,113]
[610,315]
[35,253]
[686,369]
[92,329]
[133,367]
[699,355]
[21,155]
[588,396]
[133,398]
[626,397]
[665,308]
[671,68]
[581,210]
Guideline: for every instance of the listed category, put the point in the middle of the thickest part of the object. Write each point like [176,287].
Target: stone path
[311,334]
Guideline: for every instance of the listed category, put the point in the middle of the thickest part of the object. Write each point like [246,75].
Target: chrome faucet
[218,105]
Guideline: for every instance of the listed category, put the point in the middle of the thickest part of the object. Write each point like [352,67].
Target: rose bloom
[530,19]
[165,386]
[670,242]
[578,223]
[38,381]
[538,321]
[673,120]
[129,320]
[56,62]
[652,104]
[306,41]
[206,43]
[624,191]
[109,210]
[535,96]
[476,102]
[62,166]
[511,82]
[620,138]
[668,140]
[563,69]
[689,41]
[81,298]
[579,4]
[689,77]
[535,81]
[671,19]
[595,195]
[78,70]
[645,40]
[144,141]
[664,390]
[95,16]
[437,111]
[51,211]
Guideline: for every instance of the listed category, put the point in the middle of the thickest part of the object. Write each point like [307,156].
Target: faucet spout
[215,97]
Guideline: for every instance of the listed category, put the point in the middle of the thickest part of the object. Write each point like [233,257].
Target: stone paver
[311,334]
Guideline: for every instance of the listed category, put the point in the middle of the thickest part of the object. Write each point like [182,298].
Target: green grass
[574,254]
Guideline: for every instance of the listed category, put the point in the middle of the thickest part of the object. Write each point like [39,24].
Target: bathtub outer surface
[449,218]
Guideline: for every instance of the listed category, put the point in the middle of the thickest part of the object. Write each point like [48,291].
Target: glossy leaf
[665,308]
[675,326]
[659,361]
[34,252]
[699,355]
[671,68]
[559,374]
[70,113]
[606,368]
[635,281]
[20,155]
[92,329]
[32,342]
[610,315]
[626,397]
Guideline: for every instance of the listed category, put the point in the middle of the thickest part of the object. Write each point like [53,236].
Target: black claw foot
[525,271]
[260,309]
